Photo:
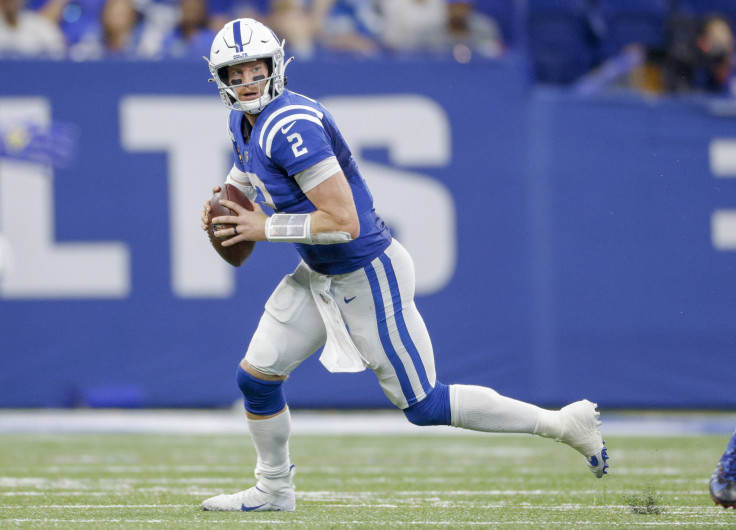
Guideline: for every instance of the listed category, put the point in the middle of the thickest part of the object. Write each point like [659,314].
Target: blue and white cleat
[581,431]
[723,481]
[260,498]
[254,499]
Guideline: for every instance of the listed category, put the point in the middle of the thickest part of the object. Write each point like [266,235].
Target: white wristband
[296,228]
[289,228]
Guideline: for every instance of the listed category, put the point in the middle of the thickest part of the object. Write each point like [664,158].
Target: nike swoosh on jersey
[286,129]
[348,300]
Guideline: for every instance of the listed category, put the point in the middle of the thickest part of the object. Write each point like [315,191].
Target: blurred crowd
[83,30]
[651,46]
[666,47]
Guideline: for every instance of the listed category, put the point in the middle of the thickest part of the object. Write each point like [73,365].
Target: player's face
[248,79]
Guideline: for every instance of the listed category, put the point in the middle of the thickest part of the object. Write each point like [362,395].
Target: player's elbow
[349,222]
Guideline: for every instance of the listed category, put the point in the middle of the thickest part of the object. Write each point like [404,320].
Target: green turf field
[390,481]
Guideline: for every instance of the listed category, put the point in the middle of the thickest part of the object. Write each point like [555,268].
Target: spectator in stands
[715,46]
[469,31]
[77,19]
[192,36]
[698,58]
[24,33]
[412,25]
[350,26]
[293,21]
[117,34]
[439,26]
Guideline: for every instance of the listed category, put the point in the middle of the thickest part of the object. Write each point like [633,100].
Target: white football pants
[377,305]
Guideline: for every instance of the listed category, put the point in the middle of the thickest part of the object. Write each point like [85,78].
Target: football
[236,254]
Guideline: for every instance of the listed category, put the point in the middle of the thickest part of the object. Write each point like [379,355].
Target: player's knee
[434,409]
[261,397]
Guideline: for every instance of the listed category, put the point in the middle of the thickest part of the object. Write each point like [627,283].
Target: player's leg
[723,481]
[400,352]
[577,424]
[290,330]
[274,490]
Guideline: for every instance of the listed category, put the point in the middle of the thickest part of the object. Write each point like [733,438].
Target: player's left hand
[248,226]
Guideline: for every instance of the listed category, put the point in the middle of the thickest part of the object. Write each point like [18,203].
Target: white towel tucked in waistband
[339,353]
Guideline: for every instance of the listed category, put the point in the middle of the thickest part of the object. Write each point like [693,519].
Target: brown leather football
[236,254]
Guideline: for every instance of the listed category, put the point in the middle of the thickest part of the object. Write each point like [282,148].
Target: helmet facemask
[228,91]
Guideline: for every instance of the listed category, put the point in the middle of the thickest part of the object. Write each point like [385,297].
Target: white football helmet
[245,40]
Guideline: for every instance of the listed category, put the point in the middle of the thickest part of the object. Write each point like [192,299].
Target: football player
[723,481]
[353,275]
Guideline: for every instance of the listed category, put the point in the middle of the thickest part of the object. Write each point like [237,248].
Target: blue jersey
[290,135]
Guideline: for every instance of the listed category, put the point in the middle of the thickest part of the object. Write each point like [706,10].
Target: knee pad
[434,409]
[261,397]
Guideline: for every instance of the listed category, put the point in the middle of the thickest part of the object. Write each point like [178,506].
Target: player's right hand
[206,210]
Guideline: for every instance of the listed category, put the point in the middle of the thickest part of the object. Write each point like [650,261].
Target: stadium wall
[565,247]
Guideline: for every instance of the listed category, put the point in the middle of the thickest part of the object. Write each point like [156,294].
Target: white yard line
[312,422]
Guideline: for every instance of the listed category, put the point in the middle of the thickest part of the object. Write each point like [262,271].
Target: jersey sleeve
[233,125]
[296,139]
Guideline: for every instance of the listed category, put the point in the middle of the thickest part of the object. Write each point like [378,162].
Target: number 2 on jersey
[296,140]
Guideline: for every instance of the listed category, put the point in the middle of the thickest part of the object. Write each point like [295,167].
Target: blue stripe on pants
[388,347]
[406,339]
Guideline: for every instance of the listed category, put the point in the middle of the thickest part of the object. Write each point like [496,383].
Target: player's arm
[240,180]
[335,207]
[335,219]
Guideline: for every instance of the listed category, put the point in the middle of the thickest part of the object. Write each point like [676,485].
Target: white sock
[271,439]
[483,409]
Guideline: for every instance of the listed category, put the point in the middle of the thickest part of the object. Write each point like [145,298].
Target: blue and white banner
[564,247]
